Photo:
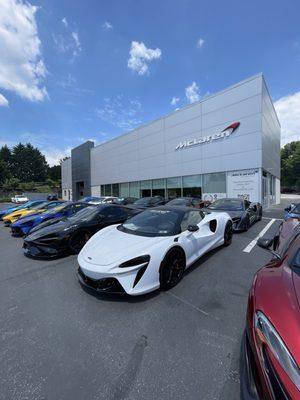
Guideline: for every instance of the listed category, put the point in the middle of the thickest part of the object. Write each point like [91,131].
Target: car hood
[283,309]
[55,226]
[111,246]
[232,214]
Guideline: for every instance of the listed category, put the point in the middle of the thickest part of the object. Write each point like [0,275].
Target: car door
[251,209]
[113,215]
[192,241]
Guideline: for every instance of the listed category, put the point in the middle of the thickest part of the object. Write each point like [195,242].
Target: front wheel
[78,240]
[228,234]
[172,269]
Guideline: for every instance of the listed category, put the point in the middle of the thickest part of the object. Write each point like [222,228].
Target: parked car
[151,250]
[24,225]
[52,197]
[27,205]
[103,200]
[243,212]
[125,200]
[14,216]
[146,202]
[19,198]
[68,235]
[88,199]
[189,202]
[292,211]
[271,345]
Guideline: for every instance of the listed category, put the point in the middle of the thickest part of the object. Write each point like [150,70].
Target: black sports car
[242,212]
[69,235]
[146,202]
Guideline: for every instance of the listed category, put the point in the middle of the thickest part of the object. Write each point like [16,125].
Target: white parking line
[277,219]
[250,246]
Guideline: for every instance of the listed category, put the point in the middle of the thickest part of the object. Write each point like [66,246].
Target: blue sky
[77,70]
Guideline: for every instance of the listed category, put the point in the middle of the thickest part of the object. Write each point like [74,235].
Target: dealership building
[225,145]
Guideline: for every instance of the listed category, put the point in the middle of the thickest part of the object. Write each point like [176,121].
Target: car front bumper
[37,250]
[105,285]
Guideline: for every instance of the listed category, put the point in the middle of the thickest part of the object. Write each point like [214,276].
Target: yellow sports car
[14,216]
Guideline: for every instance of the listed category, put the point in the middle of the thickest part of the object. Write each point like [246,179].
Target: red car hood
[278,297]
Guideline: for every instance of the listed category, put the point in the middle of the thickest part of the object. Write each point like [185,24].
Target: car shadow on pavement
[120,297]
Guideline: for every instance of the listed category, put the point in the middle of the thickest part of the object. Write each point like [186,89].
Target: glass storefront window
[214,183]
[102,190]
[134,189]
[145,189]
[174,187]
[158,187]
[115,189]
[192,186]
[107,190]
[124,189]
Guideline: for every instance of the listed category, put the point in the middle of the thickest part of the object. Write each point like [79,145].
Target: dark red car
[271,346]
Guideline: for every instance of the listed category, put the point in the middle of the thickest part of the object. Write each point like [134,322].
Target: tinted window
[114,212]
[227,204]
[296,209]
[179,202]
[86,214]
[191,218]
[156,222]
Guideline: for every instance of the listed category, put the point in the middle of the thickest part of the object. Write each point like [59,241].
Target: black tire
[228,234]
[247,224]
[172,269]
[78,240]
[259,215]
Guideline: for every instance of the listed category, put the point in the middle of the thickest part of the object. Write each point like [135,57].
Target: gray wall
[66,174]
[149,151]
[271,133]
[81,171]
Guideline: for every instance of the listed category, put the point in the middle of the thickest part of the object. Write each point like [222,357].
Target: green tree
[54,173]
[28,163]
[5,155]
[11,184]
[290,164]
[4,171]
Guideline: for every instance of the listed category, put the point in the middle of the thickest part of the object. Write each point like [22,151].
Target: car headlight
[268,335]
[138,261]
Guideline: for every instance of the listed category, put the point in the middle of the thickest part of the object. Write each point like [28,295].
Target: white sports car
[151,250]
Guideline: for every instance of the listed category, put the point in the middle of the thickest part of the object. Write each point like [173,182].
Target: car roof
[181,209]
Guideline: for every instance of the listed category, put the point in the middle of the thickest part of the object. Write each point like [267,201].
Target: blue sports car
[24,225]
[28,204]
[292,211]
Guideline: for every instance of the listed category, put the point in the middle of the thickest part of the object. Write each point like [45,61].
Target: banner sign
[243,184]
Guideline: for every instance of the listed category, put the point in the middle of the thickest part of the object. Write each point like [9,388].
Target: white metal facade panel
[66,174]
[149,151]
[271,133]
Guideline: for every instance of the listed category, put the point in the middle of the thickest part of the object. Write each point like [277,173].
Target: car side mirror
[287,209]
[193,228]
[266,245]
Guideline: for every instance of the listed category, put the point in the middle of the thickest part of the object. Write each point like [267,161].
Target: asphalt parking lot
[59,342]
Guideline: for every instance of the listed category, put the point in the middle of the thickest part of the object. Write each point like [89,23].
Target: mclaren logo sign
[208,139]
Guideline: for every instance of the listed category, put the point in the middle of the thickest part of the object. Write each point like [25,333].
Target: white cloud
[107,25]
[288,111]
[192,93]
[22,69]
[54,155]
[121,113]
[175,100]
[140,56]
[65,22]
[3,101]
[200,43]
[76,41]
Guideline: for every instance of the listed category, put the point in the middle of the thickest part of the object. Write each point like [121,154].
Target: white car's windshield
[154,222]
